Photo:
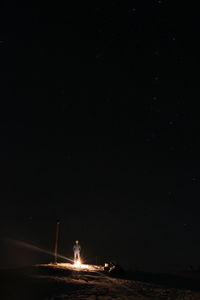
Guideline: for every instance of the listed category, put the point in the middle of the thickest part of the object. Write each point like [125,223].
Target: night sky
[100,128]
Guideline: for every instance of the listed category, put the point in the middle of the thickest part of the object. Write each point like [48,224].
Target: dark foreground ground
[48,282]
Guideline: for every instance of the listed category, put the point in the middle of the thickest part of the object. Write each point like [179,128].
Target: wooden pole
[56,242]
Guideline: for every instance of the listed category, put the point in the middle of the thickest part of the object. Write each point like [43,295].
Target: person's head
[77,242]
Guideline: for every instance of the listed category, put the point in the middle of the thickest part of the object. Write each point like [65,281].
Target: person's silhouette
[77,251]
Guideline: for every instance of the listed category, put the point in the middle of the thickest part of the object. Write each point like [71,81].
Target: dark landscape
[99,150]
[61,282]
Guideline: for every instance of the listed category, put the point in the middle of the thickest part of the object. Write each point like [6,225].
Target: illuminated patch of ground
[84,267]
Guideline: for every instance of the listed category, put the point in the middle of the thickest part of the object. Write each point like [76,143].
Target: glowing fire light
[77,264]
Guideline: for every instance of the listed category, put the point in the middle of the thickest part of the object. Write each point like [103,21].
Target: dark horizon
[100,128]
[21,253]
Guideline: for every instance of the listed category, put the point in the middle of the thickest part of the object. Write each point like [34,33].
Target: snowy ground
[64,281]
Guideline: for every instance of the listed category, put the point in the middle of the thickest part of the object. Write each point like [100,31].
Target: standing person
[77,251]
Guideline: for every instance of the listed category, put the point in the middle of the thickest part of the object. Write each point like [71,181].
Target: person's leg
[76,255]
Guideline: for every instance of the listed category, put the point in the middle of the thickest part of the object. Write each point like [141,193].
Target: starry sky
[100,128]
